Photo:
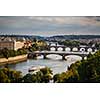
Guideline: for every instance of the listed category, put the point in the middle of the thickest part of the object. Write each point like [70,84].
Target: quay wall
[11,60]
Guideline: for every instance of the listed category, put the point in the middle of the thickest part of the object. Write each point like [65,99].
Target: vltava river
[54,62]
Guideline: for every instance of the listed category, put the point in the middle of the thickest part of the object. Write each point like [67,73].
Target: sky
[50,25]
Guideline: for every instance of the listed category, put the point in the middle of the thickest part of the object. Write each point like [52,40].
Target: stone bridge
[71,48]
[63,54]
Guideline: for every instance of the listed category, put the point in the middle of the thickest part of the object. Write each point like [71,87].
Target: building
[18,45]
[11,45]
[27,44]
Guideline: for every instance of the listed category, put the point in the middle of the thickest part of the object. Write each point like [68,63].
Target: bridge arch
[59,49]
[73,57]
[52,49]
[78,55]
[54,56]
[89,50]
[82,49]
[51,56]
[52,44]
[74,49]
[63,55]
[68,49]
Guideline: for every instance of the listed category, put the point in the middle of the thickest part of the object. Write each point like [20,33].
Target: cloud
[50,25]
[90,20]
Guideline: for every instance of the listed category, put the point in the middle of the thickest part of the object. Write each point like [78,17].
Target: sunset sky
[47,26]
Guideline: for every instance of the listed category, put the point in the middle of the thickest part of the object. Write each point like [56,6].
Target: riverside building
[11,44]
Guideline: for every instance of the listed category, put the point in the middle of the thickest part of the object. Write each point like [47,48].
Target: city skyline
[50,25]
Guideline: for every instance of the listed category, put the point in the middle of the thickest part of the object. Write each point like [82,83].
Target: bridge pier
[82,57]
[71,49]
[93,49]
[56,49]
[44,56]
[56,44]
[78,49]
[64,48]
[86,49]
[48,48]
[32,56]
[63,57]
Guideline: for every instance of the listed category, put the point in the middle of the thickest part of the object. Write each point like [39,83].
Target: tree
[27,78]
[47,74]
[56,78]
[5,53]
[3,77]
[42,76]
[7,75]
[82,71]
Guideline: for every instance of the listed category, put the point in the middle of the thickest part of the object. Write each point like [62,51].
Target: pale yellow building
[18,45]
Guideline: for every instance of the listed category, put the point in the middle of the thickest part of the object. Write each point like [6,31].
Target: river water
[54,62]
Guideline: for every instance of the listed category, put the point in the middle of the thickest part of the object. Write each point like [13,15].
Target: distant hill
[67,37]
[76,36]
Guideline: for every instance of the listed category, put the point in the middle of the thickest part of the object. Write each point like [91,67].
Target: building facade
[18,45]
[11,45]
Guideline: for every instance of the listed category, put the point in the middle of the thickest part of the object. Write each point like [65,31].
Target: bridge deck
[61,52]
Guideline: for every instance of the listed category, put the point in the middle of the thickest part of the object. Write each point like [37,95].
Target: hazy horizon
[50,25]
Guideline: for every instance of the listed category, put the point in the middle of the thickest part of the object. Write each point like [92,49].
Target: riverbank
[12,60]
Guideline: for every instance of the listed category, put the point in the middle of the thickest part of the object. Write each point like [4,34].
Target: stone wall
[13,59]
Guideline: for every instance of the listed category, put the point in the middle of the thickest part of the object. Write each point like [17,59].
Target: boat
[33,68]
